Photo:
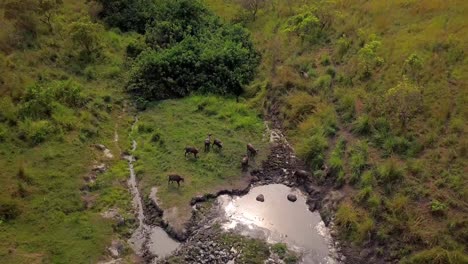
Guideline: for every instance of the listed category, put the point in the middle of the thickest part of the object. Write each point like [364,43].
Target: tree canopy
[190,50]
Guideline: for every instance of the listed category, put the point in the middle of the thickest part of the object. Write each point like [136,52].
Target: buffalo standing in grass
[251,150]
[208,143]
[191,150]
[175,178]
[218,144]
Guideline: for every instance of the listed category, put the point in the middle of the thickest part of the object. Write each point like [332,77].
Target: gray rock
[292,197]
[260,198]
[100,168]
[116,248]
[100,147]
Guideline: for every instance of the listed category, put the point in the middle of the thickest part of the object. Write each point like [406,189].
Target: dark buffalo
[208,143]
[191,150]
[218,143]
[175,178]
[301,175]
[251,151]
[245,162]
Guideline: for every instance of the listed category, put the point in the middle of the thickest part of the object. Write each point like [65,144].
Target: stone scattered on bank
[260,198]
[292,197]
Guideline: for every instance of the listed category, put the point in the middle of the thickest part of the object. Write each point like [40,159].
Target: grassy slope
[187,122]
[54,226]
[428,158]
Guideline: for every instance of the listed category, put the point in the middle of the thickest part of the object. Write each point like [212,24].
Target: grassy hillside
[61,76]
[377,91]
[166,128]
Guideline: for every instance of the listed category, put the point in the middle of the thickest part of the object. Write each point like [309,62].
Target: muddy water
[145,237]
[279,220]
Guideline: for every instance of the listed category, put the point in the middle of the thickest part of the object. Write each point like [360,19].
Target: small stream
[151,238]
[279,220]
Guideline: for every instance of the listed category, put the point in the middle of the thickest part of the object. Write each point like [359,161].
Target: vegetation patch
[166,128]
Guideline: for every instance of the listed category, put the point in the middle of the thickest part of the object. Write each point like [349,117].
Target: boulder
[260,198]
[292,197]
[116,248]
[100,147]
[101,168]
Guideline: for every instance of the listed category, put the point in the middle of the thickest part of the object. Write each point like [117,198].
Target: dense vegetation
[60,92]
[64,67]
[377,91]
[186,49]
[374,90]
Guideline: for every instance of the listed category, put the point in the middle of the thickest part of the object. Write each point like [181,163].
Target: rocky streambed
[221,222]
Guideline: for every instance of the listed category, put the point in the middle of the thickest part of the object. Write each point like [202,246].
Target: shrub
[362,125]
[221,62]
[3,132]
[9,210]
[437,255]
[438,208]
[35,132]
[312,150]
[358,160]
[390,173]
[127,15]
[343,46]
[323,81]
[397,145]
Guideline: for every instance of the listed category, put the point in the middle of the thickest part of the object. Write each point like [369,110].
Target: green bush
[36,132]
[323,81]
[358,160]
[220,62]
[128,15]
[3,132]
[362,125]
[438,208]
[192,51]
[313,149]
[437,255]
[9,210]
[390,173]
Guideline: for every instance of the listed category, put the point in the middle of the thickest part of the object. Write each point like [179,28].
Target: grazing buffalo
[175,178]
[218,143]
[191,150]
[301,175]
[208,143]
[251,151]
[245,162]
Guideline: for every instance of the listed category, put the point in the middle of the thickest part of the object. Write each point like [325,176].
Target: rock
[260,198]
[100,147]
[108,154]
[100,168]
[292,197]
[116,248]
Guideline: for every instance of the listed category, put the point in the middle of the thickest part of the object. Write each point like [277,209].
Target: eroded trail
[149,242]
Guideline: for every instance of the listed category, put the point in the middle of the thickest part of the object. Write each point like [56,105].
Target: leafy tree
[128,15]
[177,19]
[368,57]
[403,102]
[305,24]
[413,67]
[22,13]
[85,36]
[252,6]
[47,9]
[218,62]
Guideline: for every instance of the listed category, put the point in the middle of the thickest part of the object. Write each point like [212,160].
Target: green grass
[167,127]
[420,44]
